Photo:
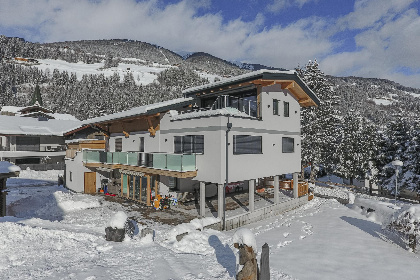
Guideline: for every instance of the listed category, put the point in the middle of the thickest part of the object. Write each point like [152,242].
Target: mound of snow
[244,236]
[118,220]
[69,202]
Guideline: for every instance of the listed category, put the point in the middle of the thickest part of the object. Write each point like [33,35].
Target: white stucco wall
[212,164]
[77,182]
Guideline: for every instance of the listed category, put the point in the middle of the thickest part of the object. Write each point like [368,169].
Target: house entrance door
[90,182]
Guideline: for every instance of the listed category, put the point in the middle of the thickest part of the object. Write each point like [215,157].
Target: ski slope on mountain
[55,234]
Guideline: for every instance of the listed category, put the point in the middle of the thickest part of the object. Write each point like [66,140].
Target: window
[247,144]
[288,145]
[141,144]
[286,108]
[189,144]
[71,176]
[27,143]
[173,183]
[118,144]
[275,107]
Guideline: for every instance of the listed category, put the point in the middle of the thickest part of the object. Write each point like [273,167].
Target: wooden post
[202,199]
[148,191]
[140,186]
[220,190]
[122,185]
[295,185]
[128,185]
[251,195]
[265,263]
[156,185]
[3,197]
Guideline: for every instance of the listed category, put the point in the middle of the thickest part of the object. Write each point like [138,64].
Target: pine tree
[319,124]
[357,148]
[36,97]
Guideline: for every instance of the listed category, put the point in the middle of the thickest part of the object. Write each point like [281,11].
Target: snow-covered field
[143,73]
[55,234]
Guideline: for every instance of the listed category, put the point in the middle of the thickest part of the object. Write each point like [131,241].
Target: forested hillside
[360,127]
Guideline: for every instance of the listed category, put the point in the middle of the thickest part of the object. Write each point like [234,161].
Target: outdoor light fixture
[396,163]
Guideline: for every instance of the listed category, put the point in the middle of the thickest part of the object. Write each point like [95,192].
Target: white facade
[275,133]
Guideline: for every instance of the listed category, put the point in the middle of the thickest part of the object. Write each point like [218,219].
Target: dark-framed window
[141,144]
[247,144]
[189,144]
[288,145]
[275,107]
[118,144]
[286,108]
[173,183]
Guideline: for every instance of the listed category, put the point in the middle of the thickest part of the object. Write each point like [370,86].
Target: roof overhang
[287,79]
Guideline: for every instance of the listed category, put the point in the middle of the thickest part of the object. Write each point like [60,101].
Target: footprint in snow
[283,244]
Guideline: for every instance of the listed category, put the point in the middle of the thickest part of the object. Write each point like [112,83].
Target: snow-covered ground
[55,234]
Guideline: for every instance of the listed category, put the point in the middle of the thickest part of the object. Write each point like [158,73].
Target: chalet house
[219,135]
[33,136]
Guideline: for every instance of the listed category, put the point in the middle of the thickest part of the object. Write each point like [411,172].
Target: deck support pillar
[220,202]
[202,199]
[295,185]
[251,195]
[276,189]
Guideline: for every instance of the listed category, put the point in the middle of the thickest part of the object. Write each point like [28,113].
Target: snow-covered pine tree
[36,97]
[319,124]
[357,147]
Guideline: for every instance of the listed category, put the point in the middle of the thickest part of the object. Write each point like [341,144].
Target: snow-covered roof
[238,78]
[143,110]
[66,117]
[11,109]
[15,125]
[219,112]
[17,111]
[6,167]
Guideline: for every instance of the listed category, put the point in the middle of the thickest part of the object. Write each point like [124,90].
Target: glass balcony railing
[172,162]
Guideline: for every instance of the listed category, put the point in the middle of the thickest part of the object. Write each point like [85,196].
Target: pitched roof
[288,79]
[15,125]
[143,110]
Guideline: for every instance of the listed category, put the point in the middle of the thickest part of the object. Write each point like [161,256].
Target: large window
[288,145]
[275,107]
[189,144]
[247,144]
[27,143]
[286,108]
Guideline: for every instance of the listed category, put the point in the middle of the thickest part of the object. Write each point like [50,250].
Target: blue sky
[367,38]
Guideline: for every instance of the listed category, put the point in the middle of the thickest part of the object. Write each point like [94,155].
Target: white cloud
[368,13]
[278,5]
[387,46]
[177,27]
[387,40]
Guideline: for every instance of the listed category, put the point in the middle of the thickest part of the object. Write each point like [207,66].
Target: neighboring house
[7,170]
[33,136]
[232,131]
